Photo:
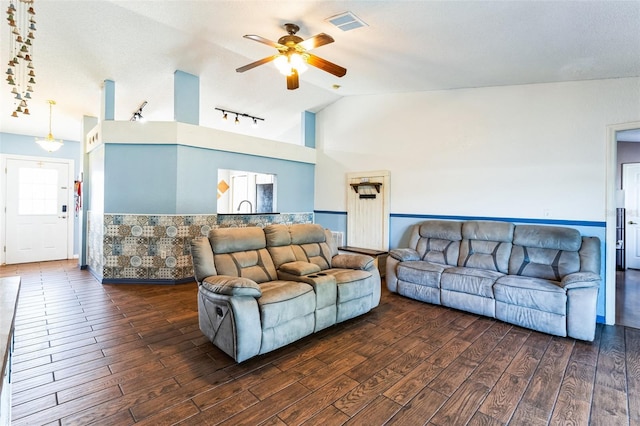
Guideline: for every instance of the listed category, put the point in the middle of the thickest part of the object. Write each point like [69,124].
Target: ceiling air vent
[347,21]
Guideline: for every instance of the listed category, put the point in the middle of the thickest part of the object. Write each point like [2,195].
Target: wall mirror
[242,192]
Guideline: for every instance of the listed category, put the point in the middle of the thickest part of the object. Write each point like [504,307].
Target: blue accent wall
[186,97]
[309,129]
[172,179]
[335,221]
[11,143]
[140,178]
[109,95]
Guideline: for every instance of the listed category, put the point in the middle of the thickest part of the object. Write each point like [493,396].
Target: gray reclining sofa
[261,289]
[545,278]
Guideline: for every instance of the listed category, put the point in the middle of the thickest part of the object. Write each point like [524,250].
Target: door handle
[632,222]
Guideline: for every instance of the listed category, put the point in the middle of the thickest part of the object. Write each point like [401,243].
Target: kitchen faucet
[250,205]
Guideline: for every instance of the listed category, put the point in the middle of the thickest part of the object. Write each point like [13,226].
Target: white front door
[631,186]
[37,210]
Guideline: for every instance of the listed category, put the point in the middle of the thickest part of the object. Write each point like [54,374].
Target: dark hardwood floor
[122,354]
[628,298]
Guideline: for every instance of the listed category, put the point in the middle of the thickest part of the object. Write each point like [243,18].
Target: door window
[37,191]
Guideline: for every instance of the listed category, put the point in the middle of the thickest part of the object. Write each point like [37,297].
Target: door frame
[611,167]
[3,197]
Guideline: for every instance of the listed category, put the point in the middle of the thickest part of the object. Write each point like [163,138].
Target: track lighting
[137,115]
[254,120]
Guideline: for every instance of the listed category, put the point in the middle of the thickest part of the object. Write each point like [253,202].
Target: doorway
[625,292]
[37,216]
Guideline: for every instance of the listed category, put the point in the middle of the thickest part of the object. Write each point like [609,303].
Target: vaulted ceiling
[407,46]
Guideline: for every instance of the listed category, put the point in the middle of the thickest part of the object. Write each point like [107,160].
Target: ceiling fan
[293,55]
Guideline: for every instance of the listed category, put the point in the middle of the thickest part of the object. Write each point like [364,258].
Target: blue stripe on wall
[505,219]
[597,224]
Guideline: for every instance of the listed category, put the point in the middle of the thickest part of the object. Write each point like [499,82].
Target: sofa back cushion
[437,241]
[547,252]
[486,245]
[241,252]
[302,242]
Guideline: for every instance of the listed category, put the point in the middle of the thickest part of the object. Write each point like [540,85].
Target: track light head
[137,115]
[226,112]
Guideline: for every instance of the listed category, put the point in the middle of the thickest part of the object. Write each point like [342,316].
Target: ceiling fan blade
[256,63]
[325,65]
[263,40]
[293,82]
[316,41]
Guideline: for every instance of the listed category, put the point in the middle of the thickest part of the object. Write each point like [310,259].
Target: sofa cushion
[547,252]
[232,286]
[254,264]
[549,237]
[277,235]
[299,268]
[304,242]
[421,272]
[474,281]
[534,293]
[303,233]
[438,241]
[549,264]
[352,284]
[283,301]
[317,253]
[486,245]
[230,240]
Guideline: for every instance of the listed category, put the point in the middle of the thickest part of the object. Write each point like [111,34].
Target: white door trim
[3,198]
[611,167]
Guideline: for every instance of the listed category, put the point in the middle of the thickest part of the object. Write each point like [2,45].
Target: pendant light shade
[49,143]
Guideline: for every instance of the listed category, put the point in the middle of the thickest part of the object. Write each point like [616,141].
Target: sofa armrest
[404,254]
[352,261]
[202,257]
[580,280]
[231,286]
[299,268]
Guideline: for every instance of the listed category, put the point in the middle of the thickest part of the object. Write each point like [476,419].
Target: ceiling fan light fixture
[297,61]
[283,65]
[289,62]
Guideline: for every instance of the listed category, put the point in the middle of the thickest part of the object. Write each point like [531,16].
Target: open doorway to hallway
[628,228]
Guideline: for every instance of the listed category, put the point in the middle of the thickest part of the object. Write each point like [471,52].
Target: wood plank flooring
[628,298]
[87,353]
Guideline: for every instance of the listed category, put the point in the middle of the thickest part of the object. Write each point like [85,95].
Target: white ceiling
[407,46]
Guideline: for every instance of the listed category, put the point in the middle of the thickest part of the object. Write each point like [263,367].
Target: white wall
[532,151]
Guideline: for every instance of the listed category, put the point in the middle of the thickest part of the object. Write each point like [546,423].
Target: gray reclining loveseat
[545,278]
[261,289]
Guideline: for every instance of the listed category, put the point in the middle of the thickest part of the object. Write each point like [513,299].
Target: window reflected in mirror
[243,192]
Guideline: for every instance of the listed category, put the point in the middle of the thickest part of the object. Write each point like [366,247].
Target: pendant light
[49,143]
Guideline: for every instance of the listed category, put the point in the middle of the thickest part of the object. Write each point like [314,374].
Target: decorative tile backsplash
[156,248]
